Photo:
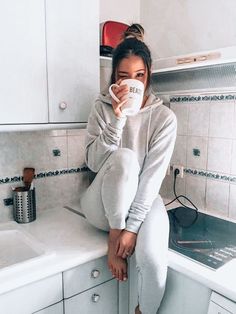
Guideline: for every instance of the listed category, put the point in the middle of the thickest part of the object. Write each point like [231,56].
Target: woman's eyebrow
[140,70]
[134,71]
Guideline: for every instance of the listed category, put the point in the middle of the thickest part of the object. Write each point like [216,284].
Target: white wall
[175,27]
[122,11]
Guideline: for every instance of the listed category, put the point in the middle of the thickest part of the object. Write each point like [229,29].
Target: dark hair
[132,45]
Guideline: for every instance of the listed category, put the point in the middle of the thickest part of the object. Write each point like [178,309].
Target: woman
[130,156]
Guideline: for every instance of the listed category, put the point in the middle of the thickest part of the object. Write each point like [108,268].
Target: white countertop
[72,241]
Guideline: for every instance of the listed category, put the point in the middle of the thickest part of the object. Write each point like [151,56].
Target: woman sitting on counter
[129,156]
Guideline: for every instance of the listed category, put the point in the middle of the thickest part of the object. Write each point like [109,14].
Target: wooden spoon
[28,176]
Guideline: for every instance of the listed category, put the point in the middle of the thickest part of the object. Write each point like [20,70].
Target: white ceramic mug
[134,96]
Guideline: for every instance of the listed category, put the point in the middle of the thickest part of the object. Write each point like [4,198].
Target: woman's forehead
[131,62]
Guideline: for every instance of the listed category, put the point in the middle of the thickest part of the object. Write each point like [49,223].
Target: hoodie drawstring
[148,131]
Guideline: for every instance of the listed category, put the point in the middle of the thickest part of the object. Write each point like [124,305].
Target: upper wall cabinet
[23,81]
[73,58]
[49,60]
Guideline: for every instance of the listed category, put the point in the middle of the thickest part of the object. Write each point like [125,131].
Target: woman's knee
[124,161]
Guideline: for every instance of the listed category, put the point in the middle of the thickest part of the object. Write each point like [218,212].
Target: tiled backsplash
[59,179]
[206,147]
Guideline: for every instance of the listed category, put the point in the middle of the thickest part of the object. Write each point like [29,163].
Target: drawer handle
[95,297]
[95,273]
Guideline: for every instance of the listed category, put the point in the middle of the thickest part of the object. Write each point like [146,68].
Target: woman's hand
[126,244]
[121,93]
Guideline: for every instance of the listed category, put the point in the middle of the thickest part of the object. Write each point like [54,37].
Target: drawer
[216,309]
[32,297]
[85,276]
[221,305]
[102,299]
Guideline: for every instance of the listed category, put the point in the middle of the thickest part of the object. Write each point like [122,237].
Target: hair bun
[134,31]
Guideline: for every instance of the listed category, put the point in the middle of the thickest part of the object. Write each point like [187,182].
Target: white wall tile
[6,212]
[217,197]
[198,120]
[76,185]
[234,131]
[78,132]
[200,143]
[221,119]
[181,112]
[25,149]
[232,201]
[37,152]
[233,162]
[53,192]
[180,151]
[10,156]
[55,133]
[219,155]
[196,191]
[76,151]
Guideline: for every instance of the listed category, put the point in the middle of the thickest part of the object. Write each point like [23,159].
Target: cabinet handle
[95,297]
[63,105]
[95,273]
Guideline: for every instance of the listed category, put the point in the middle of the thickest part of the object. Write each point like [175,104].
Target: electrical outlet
[181,170]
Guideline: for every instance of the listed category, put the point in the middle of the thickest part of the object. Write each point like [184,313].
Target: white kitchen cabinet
[89,288]
[49,60]
[221,305]
[23,80]
[73,58]
[100,300]
[57,308]
[182,295]
[32,297]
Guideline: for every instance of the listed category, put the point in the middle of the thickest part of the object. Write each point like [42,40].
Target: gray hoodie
[150,134]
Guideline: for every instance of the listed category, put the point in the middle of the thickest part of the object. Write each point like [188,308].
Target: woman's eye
[140,74]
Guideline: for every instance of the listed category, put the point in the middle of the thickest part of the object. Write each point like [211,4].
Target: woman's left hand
[126,244]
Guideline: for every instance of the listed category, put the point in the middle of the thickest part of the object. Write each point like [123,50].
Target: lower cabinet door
[53,309]
[102,299]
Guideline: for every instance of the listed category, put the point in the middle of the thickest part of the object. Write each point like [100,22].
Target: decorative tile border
[211,175]
[52,173]
[191,98]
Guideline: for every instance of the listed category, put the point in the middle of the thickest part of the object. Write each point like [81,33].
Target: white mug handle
[112,94]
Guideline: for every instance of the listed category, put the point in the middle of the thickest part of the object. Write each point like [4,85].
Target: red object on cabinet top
[111,33]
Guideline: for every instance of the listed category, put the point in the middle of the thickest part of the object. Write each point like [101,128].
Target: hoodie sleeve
[152,173]
[103,137]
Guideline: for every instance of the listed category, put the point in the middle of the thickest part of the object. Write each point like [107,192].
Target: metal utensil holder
[24,206]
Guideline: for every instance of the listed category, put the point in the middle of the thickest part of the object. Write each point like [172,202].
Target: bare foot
[137,310]
[116,264]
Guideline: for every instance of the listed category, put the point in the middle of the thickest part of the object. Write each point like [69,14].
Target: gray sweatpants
[106,205]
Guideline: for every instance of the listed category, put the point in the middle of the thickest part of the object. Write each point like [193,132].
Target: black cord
[177,197]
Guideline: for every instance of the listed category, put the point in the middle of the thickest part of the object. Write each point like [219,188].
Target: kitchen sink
[17,246]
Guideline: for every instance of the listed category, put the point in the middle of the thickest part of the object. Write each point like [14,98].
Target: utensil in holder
[24,205]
